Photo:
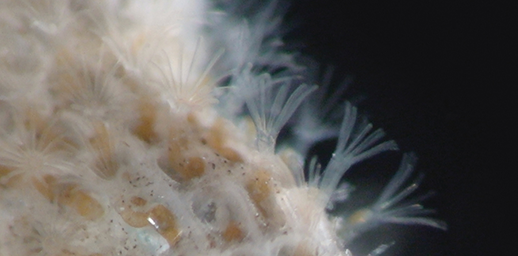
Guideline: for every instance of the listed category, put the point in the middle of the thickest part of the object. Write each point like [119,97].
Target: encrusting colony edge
[150,127]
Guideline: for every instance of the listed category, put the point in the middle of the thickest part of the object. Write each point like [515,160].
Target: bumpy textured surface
[116,137]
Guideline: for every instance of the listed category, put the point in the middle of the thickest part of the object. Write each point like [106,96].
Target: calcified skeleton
[149,128]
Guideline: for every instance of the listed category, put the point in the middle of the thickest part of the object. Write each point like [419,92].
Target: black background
[433,74]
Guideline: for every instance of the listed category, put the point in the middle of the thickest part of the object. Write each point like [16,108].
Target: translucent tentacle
[393,206]
[355,144]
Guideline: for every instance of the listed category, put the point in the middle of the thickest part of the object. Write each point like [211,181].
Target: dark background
[433,78]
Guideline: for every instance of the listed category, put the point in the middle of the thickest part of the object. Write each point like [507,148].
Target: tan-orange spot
[216,140]
[165,223]
[192,120]
[258,187]
[84,204]
[195,168]
[230,154]
[4,170]
[138,201]
[216,136]
[67,253]
[45,186]
[187,167]
[233,232]
[87,206]
[134,218]
[145,128]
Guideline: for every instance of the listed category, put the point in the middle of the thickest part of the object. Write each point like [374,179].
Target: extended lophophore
[134,127]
